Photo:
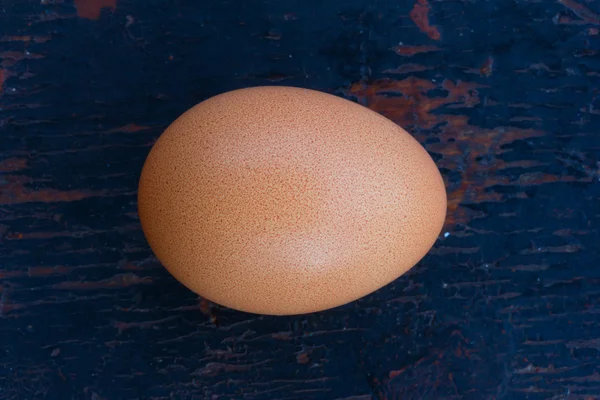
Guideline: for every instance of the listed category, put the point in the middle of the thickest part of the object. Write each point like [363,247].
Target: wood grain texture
[504,94]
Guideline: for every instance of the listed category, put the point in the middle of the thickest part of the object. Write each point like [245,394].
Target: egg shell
[281,200]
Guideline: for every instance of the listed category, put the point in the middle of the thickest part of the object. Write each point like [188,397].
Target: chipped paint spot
[4,275]
[129,128]
[302,358]
[420,16]
[116,282]
[40,272]
[25,39]
[13,164]
[409,51]
[92,9]
[14,190]
[407,69]
[487,67]
[123,326]
[273,34]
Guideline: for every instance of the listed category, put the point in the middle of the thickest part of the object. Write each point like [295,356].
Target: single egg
[280,200]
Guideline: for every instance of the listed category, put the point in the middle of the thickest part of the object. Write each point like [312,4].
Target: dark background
[504,94]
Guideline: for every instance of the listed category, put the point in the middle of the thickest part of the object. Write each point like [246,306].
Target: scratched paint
[92,9]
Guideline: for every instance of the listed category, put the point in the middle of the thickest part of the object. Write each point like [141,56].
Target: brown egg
[279,200]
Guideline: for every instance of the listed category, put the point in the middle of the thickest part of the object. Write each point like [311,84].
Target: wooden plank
[504,94]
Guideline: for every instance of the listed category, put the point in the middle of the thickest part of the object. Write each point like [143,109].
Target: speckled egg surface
[279,200]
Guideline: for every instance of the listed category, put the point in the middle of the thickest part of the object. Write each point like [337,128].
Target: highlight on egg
[281,200]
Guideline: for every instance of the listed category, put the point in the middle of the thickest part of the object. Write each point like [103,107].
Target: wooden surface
[505,95]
